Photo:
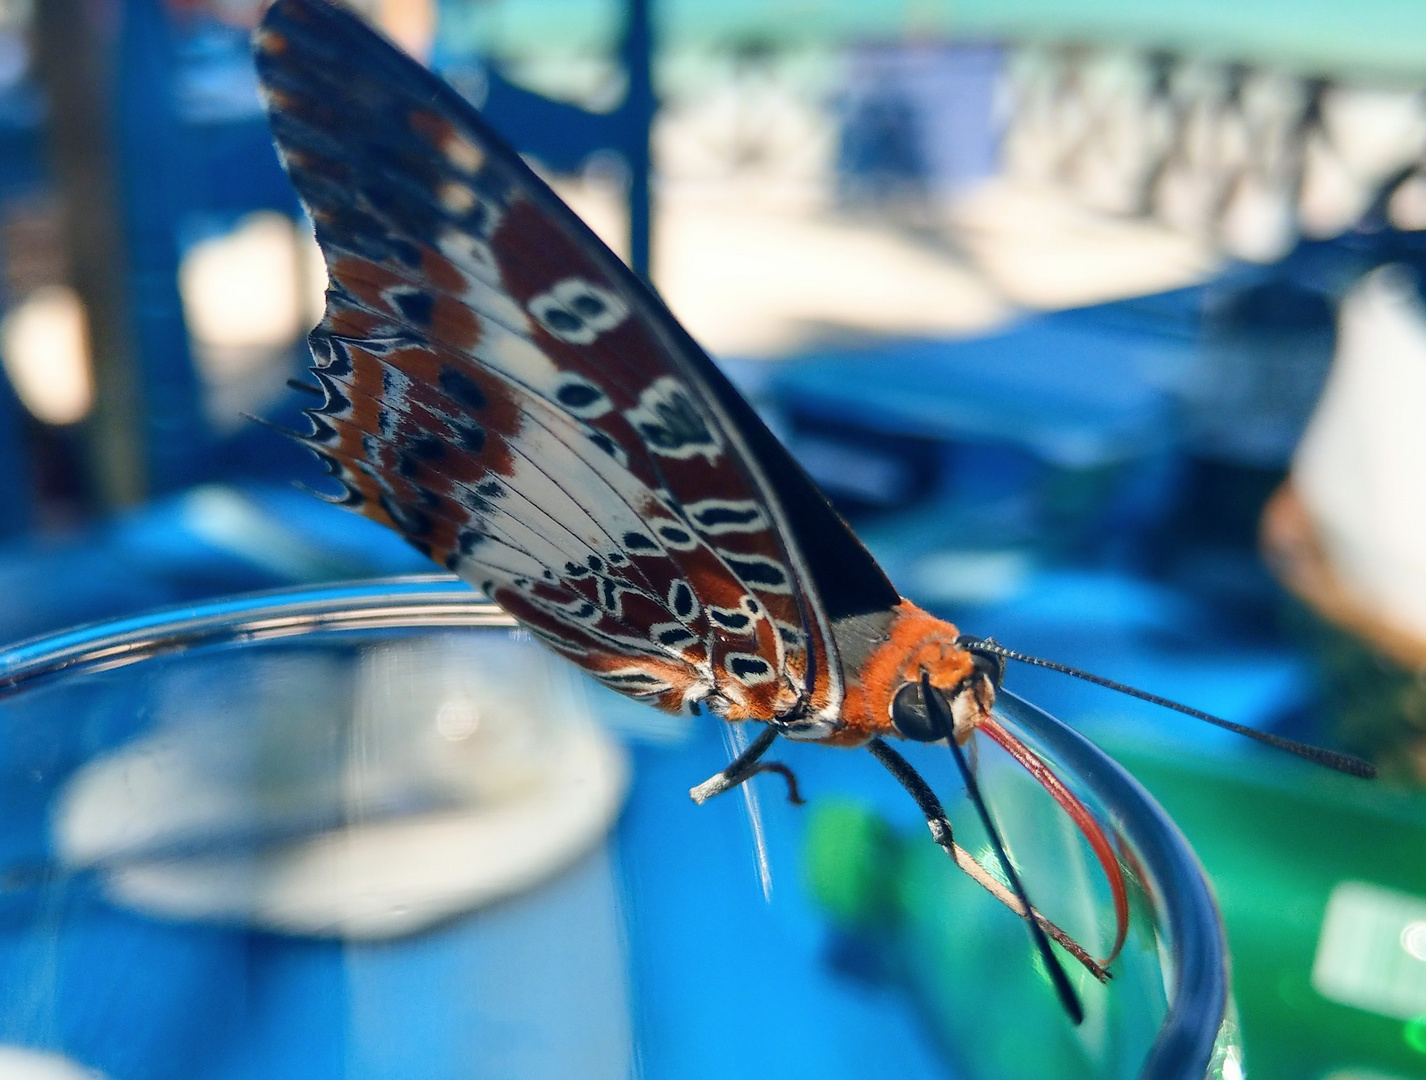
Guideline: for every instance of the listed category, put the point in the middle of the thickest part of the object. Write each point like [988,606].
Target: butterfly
[503,392]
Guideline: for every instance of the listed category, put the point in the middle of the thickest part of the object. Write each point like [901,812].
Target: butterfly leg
[746,766]
[940,826]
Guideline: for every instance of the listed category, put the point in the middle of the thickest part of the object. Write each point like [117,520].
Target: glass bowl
[970,965]
[375,830]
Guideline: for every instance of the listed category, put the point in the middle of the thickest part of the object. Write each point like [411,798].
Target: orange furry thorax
[916,642]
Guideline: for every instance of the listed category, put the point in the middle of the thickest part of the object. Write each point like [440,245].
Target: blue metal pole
[154,175]
[637,122]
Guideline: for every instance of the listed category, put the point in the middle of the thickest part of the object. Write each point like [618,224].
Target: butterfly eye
[908,713]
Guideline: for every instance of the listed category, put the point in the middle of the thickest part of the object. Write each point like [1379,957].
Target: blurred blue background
[1043,295]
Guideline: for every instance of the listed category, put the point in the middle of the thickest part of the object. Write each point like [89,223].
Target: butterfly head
[965,678]
[885,696]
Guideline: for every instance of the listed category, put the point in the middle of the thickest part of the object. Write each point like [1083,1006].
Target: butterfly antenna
[1353,766]
[940,714]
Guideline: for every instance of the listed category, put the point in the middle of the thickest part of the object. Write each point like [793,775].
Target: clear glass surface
[375,830]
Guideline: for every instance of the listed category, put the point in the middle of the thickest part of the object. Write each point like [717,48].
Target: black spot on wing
[681,599]
[756,571]
[469,435]
[715,516]
[631,679]
[562,321]
[425,447]
[578,395]
[415,305]
[462,388]
[587,305]
[471,501]
[729,620]
[748,667]
[608,445]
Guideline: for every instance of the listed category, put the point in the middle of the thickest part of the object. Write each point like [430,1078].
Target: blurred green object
[1276,838]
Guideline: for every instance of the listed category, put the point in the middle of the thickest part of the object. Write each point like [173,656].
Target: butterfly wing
[503,391]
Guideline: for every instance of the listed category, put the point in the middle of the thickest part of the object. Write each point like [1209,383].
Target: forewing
[500,389]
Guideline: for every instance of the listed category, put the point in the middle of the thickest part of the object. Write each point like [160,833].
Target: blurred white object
[1209,147]
[1043,249]
[443,779]
[45,341]
[1212,152]
[1333,197]
[25,1063]
[1367,135]
[1407,208]
[1370,950]
[1359,469]
[248,297]
[1093,122]
[1043,121]
[1376,130]
[1131,130]
[1259,223]
[248,288]
[753,282]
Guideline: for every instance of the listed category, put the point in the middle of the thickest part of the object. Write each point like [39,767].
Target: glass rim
[408,601]
[1198,998]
